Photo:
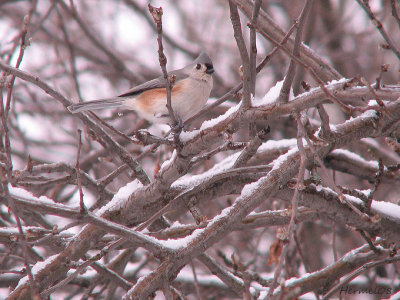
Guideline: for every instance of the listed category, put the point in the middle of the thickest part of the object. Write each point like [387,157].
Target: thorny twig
[169,80]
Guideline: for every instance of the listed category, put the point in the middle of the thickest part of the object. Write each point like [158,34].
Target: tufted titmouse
[190,92]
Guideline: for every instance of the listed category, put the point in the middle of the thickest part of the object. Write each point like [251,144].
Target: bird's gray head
[201,68]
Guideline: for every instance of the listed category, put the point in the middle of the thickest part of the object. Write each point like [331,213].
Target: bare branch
[378,24]
[287,84]
[237,30]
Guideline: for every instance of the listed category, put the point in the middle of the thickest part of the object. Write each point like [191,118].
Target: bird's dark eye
[198,66]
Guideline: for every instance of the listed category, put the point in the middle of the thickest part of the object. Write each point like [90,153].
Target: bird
[191,89]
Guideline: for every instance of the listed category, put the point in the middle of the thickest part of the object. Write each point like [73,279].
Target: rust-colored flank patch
[148,98]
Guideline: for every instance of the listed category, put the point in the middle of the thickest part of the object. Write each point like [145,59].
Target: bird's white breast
[193,97]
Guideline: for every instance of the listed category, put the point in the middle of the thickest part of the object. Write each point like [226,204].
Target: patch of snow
[270,97]
[372,103]
[277,144]
[40,265]
[189,180]
[387,209]
[20,192]
[169,161]
[186,136]
[319,188]
[249,188]
[120,197]
[341,80]
[283,158]
[226,115]
[357,158]
[371,113]
[353,199]
[180,243]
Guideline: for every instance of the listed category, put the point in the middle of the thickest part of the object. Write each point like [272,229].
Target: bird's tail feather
[96,104]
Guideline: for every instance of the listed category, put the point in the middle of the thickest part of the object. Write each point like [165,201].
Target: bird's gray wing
[154,84]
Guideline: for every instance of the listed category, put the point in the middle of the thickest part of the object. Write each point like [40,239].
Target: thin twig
[168,38]
[72,55]
[377,98]
[333,98]
[326,132]
[196,283]
[186,194]
[229,145]
[6,172]
[395,13]
[238,266]
[369,242]
[109,143]
[364,268]
[237,30]
[5,108]
[329,178]
[116,62]
[334,244]
[384,69]
[34,289]
[378,179]
[81,267]
[157,16]
[233,282]
[78,174]
[253,48]
[378,24]
[251,148]
[295,199]
[287,83]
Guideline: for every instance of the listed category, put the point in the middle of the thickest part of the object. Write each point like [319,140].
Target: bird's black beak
[210,69]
